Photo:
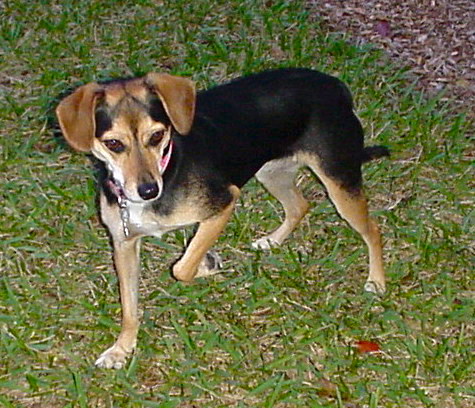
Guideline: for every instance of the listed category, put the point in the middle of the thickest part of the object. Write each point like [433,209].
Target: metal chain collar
[124,214]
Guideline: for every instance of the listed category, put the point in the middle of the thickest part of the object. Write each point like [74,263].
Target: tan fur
[353,208]
[208,231]
[76,116]
[149,223]
[278,177]
[178,96]
[138,159]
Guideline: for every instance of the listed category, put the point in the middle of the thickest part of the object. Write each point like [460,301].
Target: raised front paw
[210,265]
[113,357]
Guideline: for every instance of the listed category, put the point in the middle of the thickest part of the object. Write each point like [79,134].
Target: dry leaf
[383,28]
[364,346]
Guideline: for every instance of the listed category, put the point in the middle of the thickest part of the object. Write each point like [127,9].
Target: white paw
[374,287]
[265,243]
[113,357]
[210,265]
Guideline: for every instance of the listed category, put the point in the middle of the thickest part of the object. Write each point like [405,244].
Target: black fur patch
[275,114]
[157,111]
[103,121]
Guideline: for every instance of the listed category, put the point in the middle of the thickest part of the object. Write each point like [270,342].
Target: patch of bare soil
[435,38]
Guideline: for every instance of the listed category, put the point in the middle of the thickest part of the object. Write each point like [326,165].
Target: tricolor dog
[175,158]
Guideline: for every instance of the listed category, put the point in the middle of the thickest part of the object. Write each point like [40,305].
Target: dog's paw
[375,287]
[113,357]
[265,243]
[210,265]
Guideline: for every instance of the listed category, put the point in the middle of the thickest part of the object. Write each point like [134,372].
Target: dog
[175,157]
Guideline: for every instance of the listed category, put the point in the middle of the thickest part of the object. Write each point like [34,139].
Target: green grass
[275,329]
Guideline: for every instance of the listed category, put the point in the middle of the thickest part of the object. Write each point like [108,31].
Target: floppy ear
[76,116]
[178,97]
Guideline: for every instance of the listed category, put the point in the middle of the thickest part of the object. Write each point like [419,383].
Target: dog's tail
[374,152]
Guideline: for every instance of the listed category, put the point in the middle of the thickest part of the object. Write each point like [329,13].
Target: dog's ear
[76,116]
[178,97]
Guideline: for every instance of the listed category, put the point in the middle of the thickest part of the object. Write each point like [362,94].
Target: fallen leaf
[383,28]
[364,346]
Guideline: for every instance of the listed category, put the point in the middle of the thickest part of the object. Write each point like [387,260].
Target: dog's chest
[145,221]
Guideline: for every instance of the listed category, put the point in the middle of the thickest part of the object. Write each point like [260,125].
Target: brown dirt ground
[435,38]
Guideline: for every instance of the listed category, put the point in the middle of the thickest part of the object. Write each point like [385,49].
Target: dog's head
[128,125]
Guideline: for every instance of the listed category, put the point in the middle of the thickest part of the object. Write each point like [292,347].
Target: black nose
[148,190]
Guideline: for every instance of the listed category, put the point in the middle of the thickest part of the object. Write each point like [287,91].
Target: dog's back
[276,114]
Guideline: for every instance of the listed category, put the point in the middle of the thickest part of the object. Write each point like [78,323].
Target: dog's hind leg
[352,206]
[278,177]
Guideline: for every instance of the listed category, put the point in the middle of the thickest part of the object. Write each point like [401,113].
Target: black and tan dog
[175,158]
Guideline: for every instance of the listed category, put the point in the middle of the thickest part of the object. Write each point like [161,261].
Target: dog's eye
[114,145]
[156,138]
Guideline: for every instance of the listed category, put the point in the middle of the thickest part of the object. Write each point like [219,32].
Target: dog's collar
[165,161]
[122,202]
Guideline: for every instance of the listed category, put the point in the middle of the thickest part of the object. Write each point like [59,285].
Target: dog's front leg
[126,259]
[208,231]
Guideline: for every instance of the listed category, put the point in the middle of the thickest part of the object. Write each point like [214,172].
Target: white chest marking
[142,221]
[145,221]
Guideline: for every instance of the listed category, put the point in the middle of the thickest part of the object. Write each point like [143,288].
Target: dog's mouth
[146,192]
[115,188]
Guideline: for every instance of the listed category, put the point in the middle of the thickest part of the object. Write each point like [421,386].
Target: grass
[275,329]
